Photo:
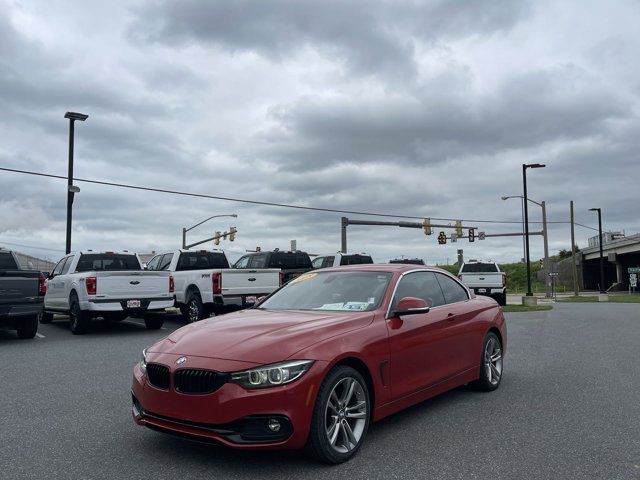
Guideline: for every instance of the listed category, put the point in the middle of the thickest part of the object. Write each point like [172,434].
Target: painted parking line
[39,335]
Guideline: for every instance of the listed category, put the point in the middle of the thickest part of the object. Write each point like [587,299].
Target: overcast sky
[401,107]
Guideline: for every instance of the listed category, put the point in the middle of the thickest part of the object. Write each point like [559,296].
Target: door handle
[451,316]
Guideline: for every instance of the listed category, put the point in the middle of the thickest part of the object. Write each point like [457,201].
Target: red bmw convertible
[313,365]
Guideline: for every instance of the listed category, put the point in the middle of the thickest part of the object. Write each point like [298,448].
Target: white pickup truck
[485,278]
[111,285]
[204,283]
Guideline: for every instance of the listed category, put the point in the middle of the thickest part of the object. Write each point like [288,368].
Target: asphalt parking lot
[568,407]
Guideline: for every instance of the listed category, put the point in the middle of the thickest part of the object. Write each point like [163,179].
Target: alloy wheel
[346,415]
[194,311]
[493,360]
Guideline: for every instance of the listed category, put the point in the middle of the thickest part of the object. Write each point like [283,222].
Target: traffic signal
[427,226]
[472,235]
[216,240]
[542,263]
[459,228]
[232,234]
[442,238]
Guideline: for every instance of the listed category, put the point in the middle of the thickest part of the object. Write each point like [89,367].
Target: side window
[58,268]
[318,262]
[67,265]
[258,261]
[328,261]
[165,262]
[153,263]
[243,262]
[453,291]
[419,285]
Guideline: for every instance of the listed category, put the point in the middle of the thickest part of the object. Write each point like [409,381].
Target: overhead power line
[270,204]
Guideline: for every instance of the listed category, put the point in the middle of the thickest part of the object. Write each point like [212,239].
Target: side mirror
[50,276]
[411,306]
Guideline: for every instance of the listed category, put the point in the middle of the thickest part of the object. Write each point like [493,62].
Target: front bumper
[231,416]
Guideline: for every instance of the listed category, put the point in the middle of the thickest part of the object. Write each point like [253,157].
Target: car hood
[259,336]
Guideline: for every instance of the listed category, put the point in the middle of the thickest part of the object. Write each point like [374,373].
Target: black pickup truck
[291,264]
[21,296]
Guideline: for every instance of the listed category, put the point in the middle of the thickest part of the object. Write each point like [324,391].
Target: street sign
[454,238]
[633,280]
[294,245]
[553,274]
[633,269]
[481,235]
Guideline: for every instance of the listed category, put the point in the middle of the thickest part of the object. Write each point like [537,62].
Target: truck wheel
[153,321]
[46,317]
[29,327]
[78,320]
[193,310]
[501,298]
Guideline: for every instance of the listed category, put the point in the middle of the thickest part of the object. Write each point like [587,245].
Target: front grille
[158,375]
[196,381]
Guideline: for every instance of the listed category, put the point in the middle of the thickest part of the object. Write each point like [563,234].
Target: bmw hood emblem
[181,360]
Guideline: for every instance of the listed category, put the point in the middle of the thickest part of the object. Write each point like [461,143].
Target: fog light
[274,425]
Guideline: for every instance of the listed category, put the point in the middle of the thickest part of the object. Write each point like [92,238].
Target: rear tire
[193,310]
[340,417]
[490,364]
[46,317]
[501,298]
[153,321]
[78,320]
[28,328]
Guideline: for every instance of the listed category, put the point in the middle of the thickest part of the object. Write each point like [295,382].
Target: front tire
[28,328]
[46,317]
[78,320]
[153,321]
[490,364]
[340,417]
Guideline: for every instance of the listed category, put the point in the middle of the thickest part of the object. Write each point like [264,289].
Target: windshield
[479,268]
[337,291]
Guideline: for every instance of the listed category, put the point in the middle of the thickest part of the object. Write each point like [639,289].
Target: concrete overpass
[618,254]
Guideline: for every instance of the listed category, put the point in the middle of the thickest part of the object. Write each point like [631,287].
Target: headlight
[143,361]
[272,375]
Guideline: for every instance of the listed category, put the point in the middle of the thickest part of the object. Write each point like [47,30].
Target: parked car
[320,359]
[204,283]
[408,261]
[111,285]
[485,278]
[339,258]
[21,295]
[292,264]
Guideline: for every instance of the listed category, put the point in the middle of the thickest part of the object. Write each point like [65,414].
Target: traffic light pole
[345,222]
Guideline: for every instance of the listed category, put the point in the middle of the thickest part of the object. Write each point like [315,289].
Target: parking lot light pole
[542,205]
[71,189]
[526,219]
[599,212]
[185,230]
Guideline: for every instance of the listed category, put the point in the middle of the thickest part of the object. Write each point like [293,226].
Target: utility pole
[599,212]
[547,278]
[574,267]
[343,234]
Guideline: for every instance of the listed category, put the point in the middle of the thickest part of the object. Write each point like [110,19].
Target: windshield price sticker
[302,278]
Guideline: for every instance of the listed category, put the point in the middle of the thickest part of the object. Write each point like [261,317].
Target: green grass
[525,308]
[620,298]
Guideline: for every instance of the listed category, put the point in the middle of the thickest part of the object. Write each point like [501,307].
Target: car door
[419,344]
[53,296]
[465,351]
[65,282]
